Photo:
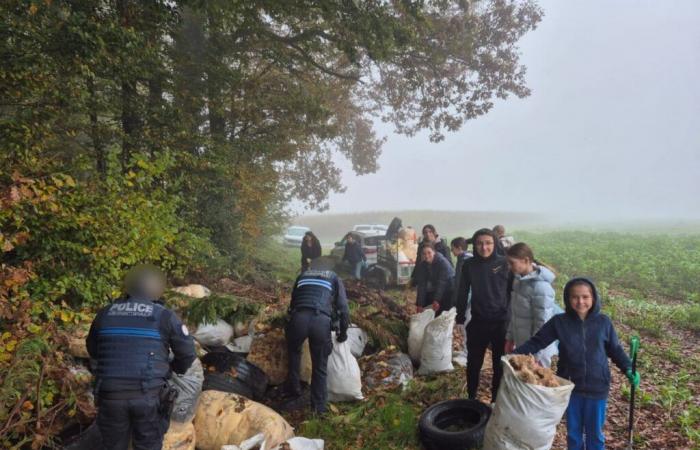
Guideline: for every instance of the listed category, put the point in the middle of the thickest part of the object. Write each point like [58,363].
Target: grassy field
[649,284]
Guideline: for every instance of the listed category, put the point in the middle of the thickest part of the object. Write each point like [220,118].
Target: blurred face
[428,235]
[520,266]
[484,245]
[307,239]
[456,251]
[581,299]
[351,239]
[428,255]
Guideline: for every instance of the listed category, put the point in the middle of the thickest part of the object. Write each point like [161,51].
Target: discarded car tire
[252,380]
[88,438]
[454,425]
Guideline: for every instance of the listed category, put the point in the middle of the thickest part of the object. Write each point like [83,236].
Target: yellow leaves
[334,408]
[10,345]
[33,9]
[27,405]
[34,328]
[66,316]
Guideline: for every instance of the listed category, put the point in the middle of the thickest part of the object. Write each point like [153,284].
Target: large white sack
[526,415]
[436,354]
[416,330]
[193,290]
[344,378]
[189,387]
[357,338]
[214,334]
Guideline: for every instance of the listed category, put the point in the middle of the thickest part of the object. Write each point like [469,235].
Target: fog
[611,130]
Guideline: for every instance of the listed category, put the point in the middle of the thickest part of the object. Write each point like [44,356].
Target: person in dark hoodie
[430,236]
[587,339]
[310,249]
[354,255]
[434,278]
[486,275]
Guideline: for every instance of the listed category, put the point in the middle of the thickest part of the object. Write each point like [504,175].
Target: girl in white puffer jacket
[532,300]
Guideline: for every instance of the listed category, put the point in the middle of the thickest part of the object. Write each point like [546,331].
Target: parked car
[368,242]
[371,229]
[294,235]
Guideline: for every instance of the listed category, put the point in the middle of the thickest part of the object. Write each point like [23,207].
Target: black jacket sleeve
[181,343]
[341,305]
[615,350]
[463,292]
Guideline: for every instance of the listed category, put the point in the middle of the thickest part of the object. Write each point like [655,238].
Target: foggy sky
[612,128]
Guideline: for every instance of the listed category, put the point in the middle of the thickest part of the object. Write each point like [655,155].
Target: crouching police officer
[130,341]
[318,297]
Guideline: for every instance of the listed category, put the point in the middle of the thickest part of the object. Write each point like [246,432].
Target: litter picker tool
[634,348]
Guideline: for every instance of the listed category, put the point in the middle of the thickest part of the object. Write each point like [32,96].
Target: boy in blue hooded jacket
[586,340]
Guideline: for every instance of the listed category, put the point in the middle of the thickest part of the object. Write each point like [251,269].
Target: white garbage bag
[357,338]
[241,344]
[525,415]
[416,330]
[436,353]
[193,290]
[295,443]
[302,443]
[189,387]
[344,378]
[214,334]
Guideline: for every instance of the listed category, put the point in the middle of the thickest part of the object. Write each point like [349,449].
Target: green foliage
[222,306]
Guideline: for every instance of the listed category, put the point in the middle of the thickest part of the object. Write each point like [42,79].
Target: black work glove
[342,336]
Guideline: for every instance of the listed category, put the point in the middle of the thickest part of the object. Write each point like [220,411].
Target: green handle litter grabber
[634,348]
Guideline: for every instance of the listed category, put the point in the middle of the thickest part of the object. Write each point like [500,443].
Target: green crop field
[650,285]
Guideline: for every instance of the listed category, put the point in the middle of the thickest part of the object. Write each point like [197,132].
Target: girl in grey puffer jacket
[532,300]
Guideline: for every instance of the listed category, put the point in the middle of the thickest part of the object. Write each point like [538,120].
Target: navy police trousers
[303,324]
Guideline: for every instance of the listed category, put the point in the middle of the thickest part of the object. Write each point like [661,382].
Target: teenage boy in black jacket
[486,275]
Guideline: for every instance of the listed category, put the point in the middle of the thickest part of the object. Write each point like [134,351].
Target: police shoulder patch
[185,331]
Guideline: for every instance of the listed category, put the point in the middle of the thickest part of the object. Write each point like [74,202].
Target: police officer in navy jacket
[130,340]
[318,297]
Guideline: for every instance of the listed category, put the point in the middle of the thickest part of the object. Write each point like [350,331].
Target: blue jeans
[358,269]
[585,417]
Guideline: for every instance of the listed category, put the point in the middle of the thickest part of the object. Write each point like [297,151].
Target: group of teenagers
[505,300]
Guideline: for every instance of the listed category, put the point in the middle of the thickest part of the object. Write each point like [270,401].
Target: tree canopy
[176,131]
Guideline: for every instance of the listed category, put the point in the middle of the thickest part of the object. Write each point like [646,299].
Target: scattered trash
[387,369]
[189,387]
[213,334]
[240,344]
[231,372]
[193,290]
[525,415]
[224,418]
[436,353]
[416,332]
[269,352]
[302,443]
[344,377]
